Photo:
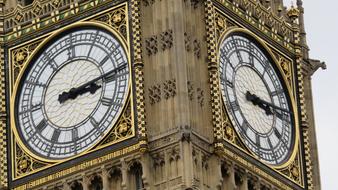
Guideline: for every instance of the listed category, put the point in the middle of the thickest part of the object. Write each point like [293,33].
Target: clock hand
[257,101]
[264,104]
[74,92]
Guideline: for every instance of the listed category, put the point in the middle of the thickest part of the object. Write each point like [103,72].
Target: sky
[321,24]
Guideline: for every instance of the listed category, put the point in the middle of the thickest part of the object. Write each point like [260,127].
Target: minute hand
[74,92]
[102,76]
[274,106]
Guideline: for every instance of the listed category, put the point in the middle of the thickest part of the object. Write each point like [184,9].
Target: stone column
[105,178]
[85,182]
[124,171]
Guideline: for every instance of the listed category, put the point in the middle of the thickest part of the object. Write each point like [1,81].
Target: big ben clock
[257,99]
[71,92]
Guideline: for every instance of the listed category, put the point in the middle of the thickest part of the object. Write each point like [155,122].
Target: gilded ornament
[56,2]
[20,56]
[117,18]
[37,10]
[220,23]
[18,17]
[293,12]
[23,165]
[123,128]
[295,172]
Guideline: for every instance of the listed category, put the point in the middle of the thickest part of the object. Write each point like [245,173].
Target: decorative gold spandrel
[286,66]
[294,171]
[222,24]
[25,164]
[229,133]
[116,19]
[18,58]
[123,130]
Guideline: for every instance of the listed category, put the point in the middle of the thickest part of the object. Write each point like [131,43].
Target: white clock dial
[257,103]
[72,93]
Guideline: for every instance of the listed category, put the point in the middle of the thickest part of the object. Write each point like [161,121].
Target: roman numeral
[75,134]
[115,76]
[245,125]
[280,115]
[104,60]
[229,84]
[109,102]
[258,141]
[41,126]
[94,122]
[36,107]
[234,105]
[277,133]
[277,92]
[56,135]
[106,101]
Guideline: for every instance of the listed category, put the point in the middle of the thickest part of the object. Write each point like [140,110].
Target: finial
[293,13]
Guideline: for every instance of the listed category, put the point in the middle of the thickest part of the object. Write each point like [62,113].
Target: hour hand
[258,102]
[75,92]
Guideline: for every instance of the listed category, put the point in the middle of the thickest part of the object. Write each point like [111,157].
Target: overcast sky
[321,22]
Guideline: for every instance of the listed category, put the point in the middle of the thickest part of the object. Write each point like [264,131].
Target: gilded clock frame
[14,84]
[287,85]
[221,27]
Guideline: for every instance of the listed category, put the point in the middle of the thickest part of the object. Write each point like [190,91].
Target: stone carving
[192,44]
[190,90]
[151,45]
[154,94]
[163,41]
[166,90]
[148,2]
[166,39]
[200,96]
[169,88]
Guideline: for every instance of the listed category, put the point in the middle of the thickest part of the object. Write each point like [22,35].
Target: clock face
[72,93]
[256,100]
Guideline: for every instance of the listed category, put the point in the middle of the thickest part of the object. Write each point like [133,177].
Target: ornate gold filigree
[221,24]
[25,164]
[293,171]
[19,56]
[117,19]
[123,129]
[229,133]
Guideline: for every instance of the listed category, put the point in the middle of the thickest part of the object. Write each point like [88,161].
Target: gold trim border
[79,167]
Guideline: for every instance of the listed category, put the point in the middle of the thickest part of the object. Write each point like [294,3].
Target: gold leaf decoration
[230,134]
[293,171]
[24,164]
[20,56]
[117,19]
[123,129]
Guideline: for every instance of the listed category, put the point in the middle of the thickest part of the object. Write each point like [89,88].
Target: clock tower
[156,94]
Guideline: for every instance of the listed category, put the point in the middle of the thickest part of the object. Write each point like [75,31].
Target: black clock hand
[257,102]
[74,92]
[264,104]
